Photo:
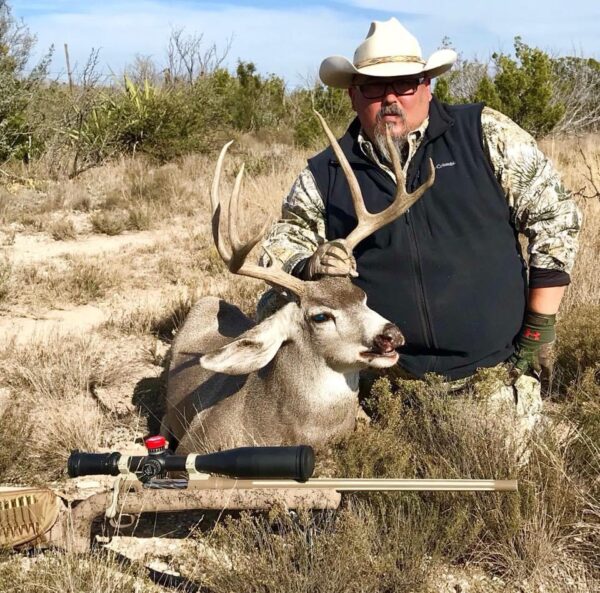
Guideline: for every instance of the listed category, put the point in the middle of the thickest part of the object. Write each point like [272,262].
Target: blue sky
[291,38]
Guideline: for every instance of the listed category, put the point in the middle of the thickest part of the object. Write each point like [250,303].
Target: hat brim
[339,72]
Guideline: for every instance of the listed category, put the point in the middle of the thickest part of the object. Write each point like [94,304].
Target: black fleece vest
[449,271]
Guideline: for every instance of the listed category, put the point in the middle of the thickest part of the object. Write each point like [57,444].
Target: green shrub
[333,104]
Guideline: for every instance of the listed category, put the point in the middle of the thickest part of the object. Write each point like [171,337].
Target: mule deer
[293,378]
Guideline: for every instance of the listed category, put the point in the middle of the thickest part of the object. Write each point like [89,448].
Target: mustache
[393,109]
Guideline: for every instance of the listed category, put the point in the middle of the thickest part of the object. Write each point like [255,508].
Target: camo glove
[534,345]
[330,259]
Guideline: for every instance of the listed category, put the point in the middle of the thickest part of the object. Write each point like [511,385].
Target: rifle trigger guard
[124,520]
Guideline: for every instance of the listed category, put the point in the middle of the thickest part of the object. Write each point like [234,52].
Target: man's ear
[427,83]
[351,92]
[255,348]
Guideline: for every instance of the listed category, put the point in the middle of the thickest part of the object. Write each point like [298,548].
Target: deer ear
[255,348]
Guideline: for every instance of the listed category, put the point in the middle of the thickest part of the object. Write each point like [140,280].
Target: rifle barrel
[372,484]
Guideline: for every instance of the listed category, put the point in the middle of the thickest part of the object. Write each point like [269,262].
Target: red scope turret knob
[156,444]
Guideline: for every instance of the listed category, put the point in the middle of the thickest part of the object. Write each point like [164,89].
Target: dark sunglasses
[400,87]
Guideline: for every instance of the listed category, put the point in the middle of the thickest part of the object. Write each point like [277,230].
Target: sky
[290,39]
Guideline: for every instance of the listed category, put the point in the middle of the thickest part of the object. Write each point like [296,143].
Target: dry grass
[73,280]
[72,573]
[585,286]
[54,383]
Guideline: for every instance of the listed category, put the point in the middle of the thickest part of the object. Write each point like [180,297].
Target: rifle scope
[293,463]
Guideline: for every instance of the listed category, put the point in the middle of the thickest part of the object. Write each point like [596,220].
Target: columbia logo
[444,165]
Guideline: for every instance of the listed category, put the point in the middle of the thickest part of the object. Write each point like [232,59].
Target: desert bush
[62,229]
[542,93]
[59,366]
[85,280]
[364,548]
[161,319]
[333,104]
[17,87]
[523,89]
[110,222]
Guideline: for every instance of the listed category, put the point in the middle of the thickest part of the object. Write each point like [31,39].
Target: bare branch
[590,178]
[187,60]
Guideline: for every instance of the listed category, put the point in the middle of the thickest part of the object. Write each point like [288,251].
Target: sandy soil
[28,248]
[41,247]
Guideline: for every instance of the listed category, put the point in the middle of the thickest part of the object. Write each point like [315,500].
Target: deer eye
[321,317]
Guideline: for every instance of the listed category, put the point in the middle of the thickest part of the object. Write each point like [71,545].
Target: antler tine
[357,199]
[240,249]
[234,254]
[215,201]
[369,223]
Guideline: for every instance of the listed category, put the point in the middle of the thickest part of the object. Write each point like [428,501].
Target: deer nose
[389,339]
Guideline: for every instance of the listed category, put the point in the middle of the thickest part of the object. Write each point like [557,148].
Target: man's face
[403,104]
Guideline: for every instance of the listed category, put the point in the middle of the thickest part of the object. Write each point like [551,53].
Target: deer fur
[287,380]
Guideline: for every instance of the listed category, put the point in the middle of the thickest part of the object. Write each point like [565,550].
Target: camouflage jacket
[541,207]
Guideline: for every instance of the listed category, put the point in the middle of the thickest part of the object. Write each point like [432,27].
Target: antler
[369,223]
[233,251]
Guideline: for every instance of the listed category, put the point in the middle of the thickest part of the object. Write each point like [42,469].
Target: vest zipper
[418,279]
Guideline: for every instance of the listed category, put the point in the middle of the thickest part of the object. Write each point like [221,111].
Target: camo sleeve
[541,207]
[301,228]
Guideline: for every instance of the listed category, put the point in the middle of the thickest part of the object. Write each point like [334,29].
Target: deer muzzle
[383,353]
[388,340]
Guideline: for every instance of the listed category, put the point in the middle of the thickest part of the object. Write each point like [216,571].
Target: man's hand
[330,259]
[534,344]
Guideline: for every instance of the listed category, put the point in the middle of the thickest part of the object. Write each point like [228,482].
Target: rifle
[249,478]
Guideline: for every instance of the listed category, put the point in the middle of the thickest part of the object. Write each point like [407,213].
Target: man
[449,272]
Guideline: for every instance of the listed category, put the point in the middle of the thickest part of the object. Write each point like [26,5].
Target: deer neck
[305,376]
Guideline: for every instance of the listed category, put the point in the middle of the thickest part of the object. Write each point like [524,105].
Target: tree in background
[333,104]
[542,94]
[525,89]
[577,87]
[16,87]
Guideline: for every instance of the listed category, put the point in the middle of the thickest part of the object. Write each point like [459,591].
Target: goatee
[398,139]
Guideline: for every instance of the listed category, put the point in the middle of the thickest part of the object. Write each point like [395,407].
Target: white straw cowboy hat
[389,50]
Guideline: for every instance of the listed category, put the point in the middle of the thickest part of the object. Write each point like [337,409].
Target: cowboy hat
[388,50]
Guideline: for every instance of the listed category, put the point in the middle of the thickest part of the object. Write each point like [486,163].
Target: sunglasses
[401,87]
